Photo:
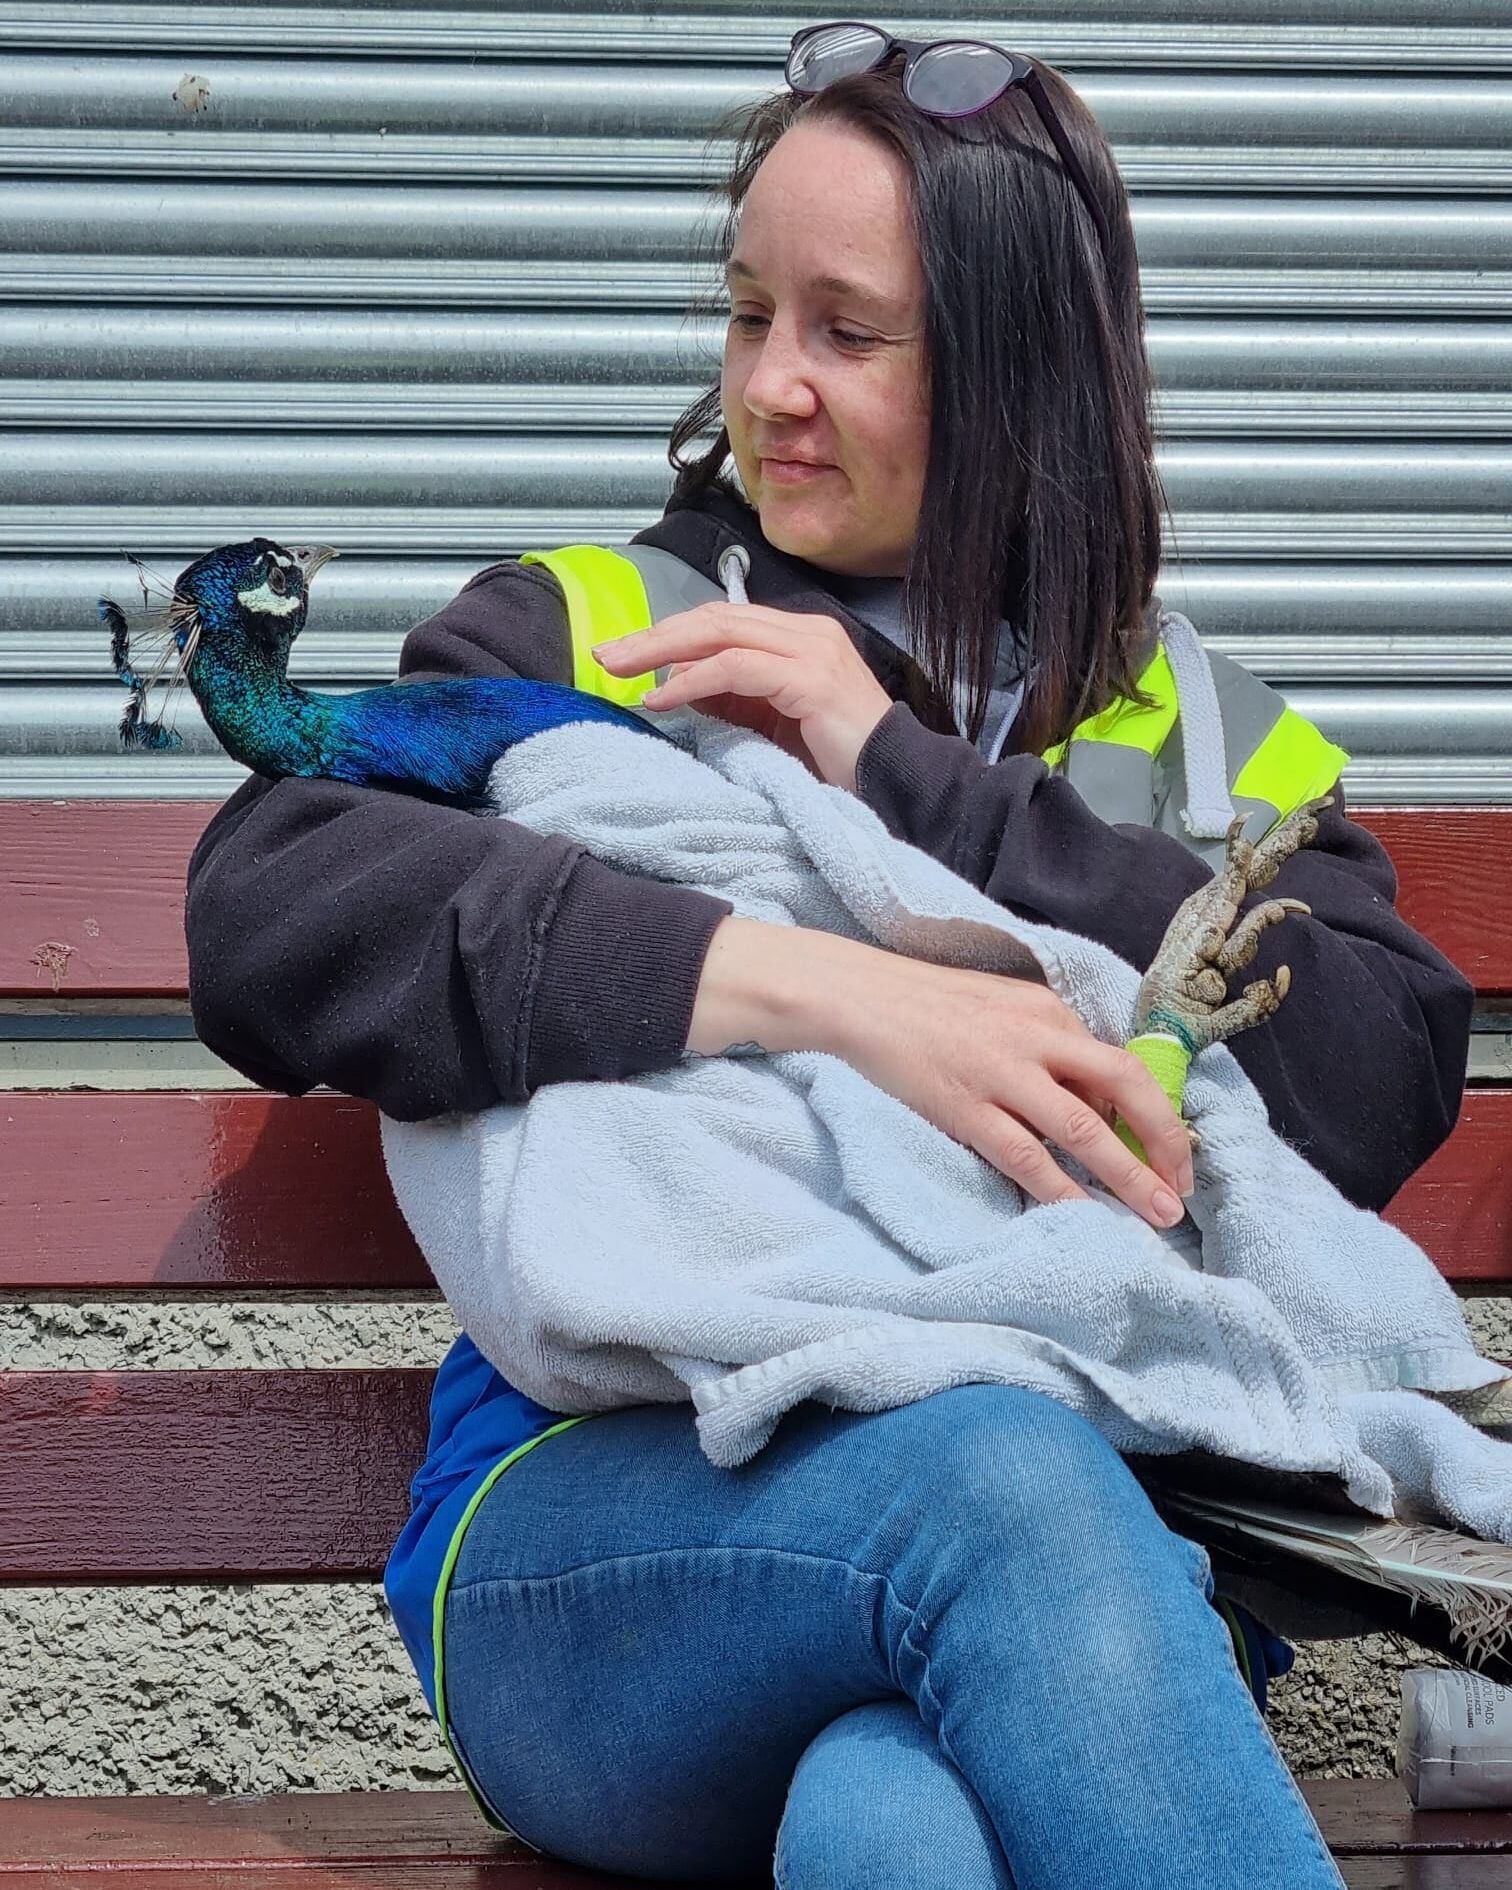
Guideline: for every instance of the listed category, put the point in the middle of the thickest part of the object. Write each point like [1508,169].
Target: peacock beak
[310,558]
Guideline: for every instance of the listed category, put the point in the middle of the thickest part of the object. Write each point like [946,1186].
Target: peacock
[229,622]
[226,630]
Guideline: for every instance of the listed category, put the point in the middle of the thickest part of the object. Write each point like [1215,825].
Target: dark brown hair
[1041,500]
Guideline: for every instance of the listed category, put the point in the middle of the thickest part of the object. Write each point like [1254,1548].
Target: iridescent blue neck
[262,719]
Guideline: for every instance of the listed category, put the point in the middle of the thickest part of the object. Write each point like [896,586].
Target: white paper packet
[1454,1744]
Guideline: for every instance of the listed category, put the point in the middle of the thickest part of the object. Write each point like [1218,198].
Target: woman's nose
[780,381]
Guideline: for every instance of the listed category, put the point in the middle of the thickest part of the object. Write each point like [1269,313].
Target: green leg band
[1167,1060]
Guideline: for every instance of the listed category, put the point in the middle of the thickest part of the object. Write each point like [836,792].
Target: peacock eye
[277,582]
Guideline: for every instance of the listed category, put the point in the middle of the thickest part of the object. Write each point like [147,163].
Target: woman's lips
[792,472]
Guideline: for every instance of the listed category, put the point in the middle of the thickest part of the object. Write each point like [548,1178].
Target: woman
[952,1643]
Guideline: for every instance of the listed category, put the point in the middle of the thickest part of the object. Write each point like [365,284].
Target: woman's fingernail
[1186,1179]
[1167,1208]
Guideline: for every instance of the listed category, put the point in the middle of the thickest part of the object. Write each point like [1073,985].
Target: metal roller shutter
[412,279]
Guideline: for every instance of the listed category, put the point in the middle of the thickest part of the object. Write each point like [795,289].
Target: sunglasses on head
[945,78]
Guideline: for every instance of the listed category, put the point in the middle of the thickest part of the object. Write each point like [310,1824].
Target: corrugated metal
[413,281]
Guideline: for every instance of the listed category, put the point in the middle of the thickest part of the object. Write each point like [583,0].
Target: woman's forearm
[772,986]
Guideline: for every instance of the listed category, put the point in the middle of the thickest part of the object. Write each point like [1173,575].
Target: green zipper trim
[438,1616]
[1241,1652]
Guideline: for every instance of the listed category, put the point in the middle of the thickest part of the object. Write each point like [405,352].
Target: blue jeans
[949,1646]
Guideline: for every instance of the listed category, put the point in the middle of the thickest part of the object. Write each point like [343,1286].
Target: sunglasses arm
[1052,124]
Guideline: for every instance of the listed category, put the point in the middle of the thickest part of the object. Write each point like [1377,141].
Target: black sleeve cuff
[617,961]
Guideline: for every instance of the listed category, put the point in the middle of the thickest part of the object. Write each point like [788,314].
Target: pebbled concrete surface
[147,1333]
[307,1686]
[238,1689]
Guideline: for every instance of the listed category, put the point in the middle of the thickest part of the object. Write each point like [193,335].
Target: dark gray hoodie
[432,960]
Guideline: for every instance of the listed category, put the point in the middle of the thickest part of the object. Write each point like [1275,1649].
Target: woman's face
[824,357]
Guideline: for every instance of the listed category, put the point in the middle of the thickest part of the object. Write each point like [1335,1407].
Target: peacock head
[245,602]
[252,596]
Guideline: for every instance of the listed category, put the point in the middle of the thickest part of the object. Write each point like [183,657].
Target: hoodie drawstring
[1209,810]
[734,567]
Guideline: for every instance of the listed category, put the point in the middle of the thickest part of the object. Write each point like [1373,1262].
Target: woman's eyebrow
[834,285]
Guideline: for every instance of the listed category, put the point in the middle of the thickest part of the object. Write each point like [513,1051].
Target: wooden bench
[208,1476]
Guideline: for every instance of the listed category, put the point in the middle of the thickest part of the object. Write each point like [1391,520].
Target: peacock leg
[1183,1003]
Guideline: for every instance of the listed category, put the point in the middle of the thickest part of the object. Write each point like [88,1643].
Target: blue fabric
[949,1643]
[476,1418]
[1267,1654]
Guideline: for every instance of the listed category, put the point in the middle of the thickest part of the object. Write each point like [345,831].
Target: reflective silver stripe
[1170,799]
[670,584]
[1116,781]
[1250,710]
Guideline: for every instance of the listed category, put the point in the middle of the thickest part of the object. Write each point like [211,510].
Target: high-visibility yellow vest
[1128,762]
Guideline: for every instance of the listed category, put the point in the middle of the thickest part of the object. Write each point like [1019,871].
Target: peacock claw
[1186,987]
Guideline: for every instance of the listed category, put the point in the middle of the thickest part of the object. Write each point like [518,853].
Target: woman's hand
[797,679]
[1000,1064]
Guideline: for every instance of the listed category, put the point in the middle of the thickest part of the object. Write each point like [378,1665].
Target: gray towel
[749,1232]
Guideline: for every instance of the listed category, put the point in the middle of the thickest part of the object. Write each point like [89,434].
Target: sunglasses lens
[954,80]
[833,52]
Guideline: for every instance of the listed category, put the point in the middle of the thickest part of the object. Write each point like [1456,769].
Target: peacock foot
[1185,991]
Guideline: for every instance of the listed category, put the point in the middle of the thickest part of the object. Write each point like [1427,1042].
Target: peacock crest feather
[168,629]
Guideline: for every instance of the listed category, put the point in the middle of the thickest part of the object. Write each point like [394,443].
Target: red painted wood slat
[1458,1206]
[1412,1871]
[329,1828]
[318,1827]
[520,1871]
[204,1475]
[249,1191]
[217,1189]
[1454,865]
[335,1830]
[1363,1816]
[102,883]
[401,1840]
[94,896]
